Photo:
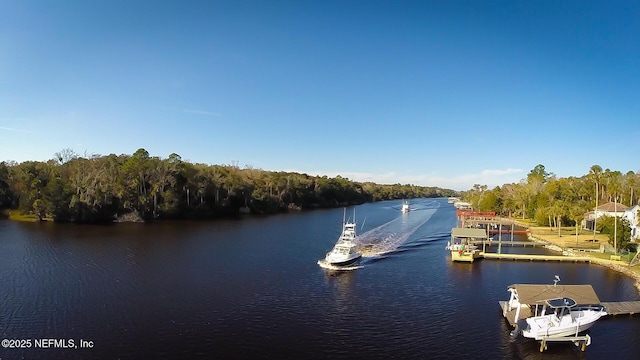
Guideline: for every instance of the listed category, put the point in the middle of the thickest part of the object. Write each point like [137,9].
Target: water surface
[251,288]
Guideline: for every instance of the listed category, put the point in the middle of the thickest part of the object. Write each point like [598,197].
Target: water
[251,288]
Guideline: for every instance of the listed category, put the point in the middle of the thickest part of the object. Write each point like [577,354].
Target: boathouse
[462,245]
[526,298]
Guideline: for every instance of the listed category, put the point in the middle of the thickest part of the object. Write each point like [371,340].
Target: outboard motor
[520,325]
[514,333]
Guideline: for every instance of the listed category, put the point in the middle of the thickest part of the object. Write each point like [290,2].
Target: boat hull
[345,262]
[534,330]
[557,333]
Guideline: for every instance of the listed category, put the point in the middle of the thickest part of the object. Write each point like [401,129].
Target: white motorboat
[345,252]
[562,317]
[405,207]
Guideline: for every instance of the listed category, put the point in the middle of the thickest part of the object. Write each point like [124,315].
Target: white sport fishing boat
[345,252]
[562,317]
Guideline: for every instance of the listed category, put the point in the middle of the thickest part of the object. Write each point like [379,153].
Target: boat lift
[579,340]
[526,294]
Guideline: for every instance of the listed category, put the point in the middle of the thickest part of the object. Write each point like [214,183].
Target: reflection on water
[343,284]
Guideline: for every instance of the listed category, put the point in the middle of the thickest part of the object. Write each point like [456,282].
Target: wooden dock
[519,232]
[527,257]
[622,307]
[509,243]
[510,315]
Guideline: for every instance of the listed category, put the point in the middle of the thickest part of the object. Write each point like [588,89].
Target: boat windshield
[561,303]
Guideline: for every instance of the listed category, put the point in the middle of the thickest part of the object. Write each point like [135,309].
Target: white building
[613,209]
[631,214]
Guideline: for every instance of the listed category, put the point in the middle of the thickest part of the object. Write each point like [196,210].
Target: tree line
[553,201]
[140,187]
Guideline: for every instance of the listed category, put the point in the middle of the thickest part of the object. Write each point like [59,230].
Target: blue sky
[434,93]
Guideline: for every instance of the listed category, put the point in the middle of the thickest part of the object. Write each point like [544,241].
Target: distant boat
[345,252]
[452,200]
[405,207]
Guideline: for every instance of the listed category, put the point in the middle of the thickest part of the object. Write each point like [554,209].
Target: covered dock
[462,243]
[524,297]
[473,234]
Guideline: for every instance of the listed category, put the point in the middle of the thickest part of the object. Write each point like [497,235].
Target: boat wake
[388,237]
[426,241]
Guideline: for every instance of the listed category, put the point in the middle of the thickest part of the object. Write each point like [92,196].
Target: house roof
[537,294]
[469,233]
[612,207]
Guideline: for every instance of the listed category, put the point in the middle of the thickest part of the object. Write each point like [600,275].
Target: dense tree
[618,230]
[630,183]
[99,188]
[5,190]
[552,201]
[492,201]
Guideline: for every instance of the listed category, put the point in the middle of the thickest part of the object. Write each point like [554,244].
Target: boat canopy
[469,233]
[539,294]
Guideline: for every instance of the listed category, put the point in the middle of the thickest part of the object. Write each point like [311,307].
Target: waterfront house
[612,209]
[632,215]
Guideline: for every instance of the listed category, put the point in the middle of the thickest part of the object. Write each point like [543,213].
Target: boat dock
[530,257]
[509,243]
[462,246]
[476,237]
[525,296]
[510,314]
[507,231]
[531,294]
[622,307]
[490,221]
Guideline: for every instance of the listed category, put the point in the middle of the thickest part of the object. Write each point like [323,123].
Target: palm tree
[614,187]
[576,215]
[595,172]
[631,181]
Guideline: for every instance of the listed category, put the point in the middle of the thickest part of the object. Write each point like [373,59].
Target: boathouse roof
[469,233]
[537,294]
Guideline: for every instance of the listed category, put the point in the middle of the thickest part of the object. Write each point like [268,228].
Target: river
[251,288]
